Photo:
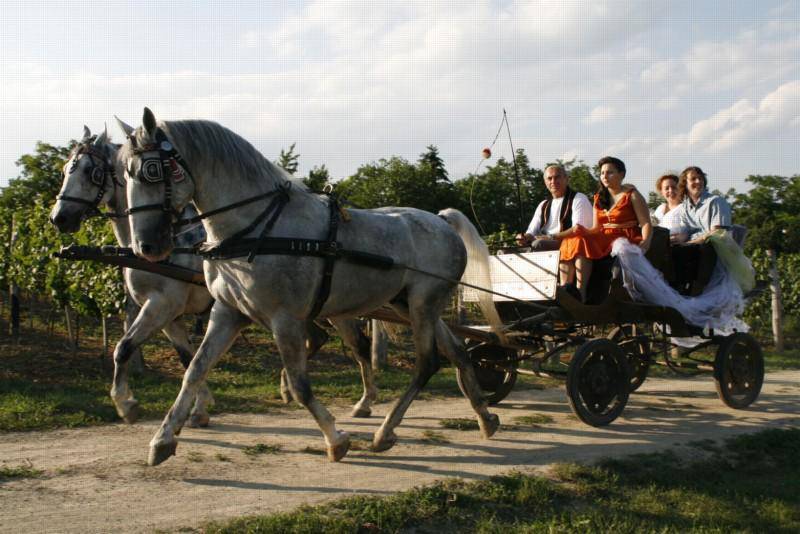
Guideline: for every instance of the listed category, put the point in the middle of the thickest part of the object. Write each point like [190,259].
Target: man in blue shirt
[702,211]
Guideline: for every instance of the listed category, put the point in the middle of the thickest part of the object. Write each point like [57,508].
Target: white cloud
[600,114]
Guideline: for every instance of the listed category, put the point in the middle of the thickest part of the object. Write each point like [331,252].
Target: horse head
[159,186]
[88,181]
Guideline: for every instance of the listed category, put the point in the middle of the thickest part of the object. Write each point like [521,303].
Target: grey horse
[172,163]
[93,178]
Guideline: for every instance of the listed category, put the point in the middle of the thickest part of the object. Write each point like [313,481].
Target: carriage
[613,340]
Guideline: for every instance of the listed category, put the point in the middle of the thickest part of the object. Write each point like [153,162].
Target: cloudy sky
[660,84]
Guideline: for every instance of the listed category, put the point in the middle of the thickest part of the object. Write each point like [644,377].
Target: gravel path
[96,479]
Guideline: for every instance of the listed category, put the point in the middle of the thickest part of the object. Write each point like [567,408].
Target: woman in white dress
[668,214]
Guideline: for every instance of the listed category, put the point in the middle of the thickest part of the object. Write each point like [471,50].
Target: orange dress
[598,246]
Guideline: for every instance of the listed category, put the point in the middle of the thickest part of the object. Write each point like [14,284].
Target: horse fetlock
[338,449]
[161,452]
[383,441]
[127,409]
[360,410]
[199,420]
[489,425]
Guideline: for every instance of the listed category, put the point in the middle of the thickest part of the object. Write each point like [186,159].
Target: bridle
[161,162]
[101,168]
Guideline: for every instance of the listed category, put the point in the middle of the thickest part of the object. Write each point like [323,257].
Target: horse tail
[478,271]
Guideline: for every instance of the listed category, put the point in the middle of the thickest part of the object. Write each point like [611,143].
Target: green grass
[459,424]
[534,420]
[44,386]
[18,471]
[434,438]
[261,448]
[751,485]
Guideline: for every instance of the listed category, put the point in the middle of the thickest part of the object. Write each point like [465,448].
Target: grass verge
[752,484]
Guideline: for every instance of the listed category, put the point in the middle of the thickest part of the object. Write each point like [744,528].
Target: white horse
[93,178]
[169,164]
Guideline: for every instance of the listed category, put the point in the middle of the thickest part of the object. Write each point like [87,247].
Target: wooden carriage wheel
[598,382]
[495,383]
[739,370]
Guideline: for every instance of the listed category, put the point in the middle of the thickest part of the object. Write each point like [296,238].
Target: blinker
[97,176]
[152,170]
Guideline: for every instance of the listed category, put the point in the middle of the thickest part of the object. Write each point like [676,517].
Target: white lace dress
[719,307]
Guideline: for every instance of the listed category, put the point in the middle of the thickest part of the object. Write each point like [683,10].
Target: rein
[237,245]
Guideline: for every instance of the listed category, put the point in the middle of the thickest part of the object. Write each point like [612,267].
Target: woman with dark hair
[619,211]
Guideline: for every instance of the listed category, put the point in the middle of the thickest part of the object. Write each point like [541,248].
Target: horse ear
[149,121]
[126,129]
[102,138]
[87,133]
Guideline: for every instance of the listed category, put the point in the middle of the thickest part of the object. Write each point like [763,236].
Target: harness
[97,175]
[162,163]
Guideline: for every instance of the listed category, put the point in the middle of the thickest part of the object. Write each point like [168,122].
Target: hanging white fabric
[718,307]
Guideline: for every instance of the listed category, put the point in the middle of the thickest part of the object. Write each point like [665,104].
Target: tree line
[489,196]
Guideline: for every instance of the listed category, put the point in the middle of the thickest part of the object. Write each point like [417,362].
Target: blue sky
[661,84]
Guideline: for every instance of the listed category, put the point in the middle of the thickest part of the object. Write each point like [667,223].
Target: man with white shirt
[555,216]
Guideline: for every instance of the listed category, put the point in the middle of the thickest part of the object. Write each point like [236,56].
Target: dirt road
[96,479]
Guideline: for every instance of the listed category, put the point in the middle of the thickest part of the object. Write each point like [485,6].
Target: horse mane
[206,142]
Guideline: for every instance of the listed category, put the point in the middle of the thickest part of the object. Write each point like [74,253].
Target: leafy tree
[40,176]
[771,212]
[654,200]
[288,160]
[430,163]
[397,182]
[317,178]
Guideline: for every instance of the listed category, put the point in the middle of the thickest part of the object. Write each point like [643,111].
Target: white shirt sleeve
[535,225]
[582,211]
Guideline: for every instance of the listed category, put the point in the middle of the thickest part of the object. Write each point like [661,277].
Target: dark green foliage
[288,160]
[317,178]
[771,212]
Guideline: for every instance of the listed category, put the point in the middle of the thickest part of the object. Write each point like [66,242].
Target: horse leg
[454,351]
[427,364]
[317,337]
[224,325]
[152,316]
[176,333]
[351,333]
[290,336]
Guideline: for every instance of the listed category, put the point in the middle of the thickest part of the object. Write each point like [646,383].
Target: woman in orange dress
[619,211]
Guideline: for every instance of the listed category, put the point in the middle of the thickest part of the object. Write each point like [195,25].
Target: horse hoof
[132,415]
[361,412]
[380,445]
[199,420]
[161,452]
[337,452]
[489,426]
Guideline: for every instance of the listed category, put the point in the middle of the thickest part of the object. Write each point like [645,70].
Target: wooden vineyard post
[105,335]
[777,300]
[13,293]
[68,321]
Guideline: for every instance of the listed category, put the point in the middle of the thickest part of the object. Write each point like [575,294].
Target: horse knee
[301,390]
[426,368]
[364,352]
[185,356]
[123,351]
